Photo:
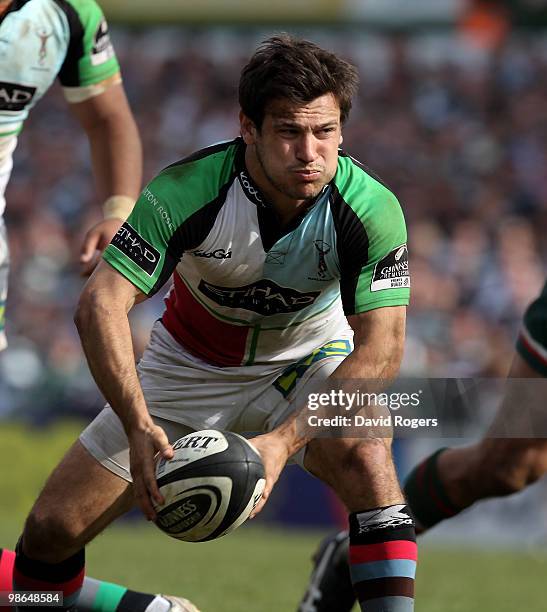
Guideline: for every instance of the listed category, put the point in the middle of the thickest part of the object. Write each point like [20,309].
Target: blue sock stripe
[393,568]
[390,604]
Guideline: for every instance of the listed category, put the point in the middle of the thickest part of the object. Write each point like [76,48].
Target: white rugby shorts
[184,393]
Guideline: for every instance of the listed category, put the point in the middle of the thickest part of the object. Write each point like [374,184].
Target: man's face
[295,153]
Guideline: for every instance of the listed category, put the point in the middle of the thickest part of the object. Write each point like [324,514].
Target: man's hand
[143,446]
[95,242]
[274,452]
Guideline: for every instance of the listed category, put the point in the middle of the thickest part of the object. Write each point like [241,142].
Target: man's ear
[247,128]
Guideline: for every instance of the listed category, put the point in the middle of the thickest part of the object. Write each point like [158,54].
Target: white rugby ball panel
[193,447]
[210,486]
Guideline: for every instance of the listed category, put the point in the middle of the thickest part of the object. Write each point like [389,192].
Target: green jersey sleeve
[90,57]
[372,240]
[172,215]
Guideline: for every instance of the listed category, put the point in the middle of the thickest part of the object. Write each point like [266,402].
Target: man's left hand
[95,242]
[274,452]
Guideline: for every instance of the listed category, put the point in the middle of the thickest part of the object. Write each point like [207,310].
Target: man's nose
[306,150]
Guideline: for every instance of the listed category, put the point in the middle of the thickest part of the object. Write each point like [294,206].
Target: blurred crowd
[457,130]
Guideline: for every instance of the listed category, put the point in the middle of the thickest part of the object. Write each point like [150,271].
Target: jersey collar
[251,189]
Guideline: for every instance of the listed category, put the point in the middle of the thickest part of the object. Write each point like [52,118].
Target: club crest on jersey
[141,252]
[43,35]
[264,296]
[323,249]
[14,97]
[392,271]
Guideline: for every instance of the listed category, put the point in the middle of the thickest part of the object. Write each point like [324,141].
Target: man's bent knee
[359,470]
[510,465]
[79,500]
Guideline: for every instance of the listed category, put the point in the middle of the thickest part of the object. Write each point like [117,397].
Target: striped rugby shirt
[247,291]
[41,40]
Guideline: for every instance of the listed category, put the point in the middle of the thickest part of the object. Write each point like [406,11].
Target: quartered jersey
[246,290]
[40,40]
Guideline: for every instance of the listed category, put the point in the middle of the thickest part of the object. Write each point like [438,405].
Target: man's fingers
[261,503]
[89,246]
[143,499]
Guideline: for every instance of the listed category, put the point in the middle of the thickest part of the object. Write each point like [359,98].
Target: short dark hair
[284,67]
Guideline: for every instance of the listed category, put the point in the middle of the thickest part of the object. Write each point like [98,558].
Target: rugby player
[282,250]
[41,40]
[453,479]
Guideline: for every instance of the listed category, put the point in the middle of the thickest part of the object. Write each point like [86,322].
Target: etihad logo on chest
[216,254]
[14,97]
[264,296]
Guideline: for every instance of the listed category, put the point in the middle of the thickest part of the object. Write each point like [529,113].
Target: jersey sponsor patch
[102,49]
[264,297]
[15,97]
[141,252]
[391,272]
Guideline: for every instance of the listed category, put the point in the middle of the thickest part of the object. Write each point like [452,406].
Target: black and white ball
[210,486]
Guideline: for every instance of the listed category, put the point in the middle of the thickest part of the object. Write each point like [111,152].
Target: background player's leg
[453,479]
[382,548]
[96,595]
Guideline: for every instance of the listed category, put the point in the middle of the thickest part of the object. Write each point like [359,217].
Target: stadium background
[452,114]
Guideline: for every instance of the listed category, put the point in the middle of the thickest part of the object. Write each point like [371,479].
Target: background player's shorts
[184,393]
[532,341]
[4,267]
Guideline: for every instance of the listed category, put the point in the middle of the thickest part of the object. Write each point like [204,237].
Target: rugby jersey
[41,40]
[247,290]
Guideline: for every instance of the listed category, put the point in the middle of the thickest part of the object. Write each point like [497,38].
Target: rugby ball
[210,486]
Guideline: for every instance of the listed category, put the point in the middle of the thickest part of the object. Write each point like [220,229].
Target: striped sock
[7,559]
[95,595]
[426,494]
[32,575]
[382,556]
[100,596]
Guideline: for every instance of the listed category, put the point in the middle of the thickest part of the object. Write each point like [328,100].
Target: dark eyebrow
[283,123]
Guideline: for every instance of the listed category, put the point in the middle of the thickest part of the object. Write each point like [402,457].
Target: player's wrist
[118,207]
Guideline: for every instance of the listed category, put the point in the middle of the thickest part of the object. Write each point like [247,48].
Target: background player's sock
[95,595]
[7,559]
[99,596]
[32,575]
[427,496]
[383,555]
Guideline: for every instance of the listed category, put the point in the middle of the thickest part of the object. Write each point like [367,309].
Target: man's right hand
[144,444]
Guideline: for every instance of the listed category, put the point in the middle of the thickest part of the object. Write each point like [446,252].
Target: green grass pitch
[259,569]
[255,569]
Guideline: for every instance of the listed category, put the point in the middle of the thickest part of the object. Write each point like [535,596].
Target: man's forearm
[116,156]
[106,340]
